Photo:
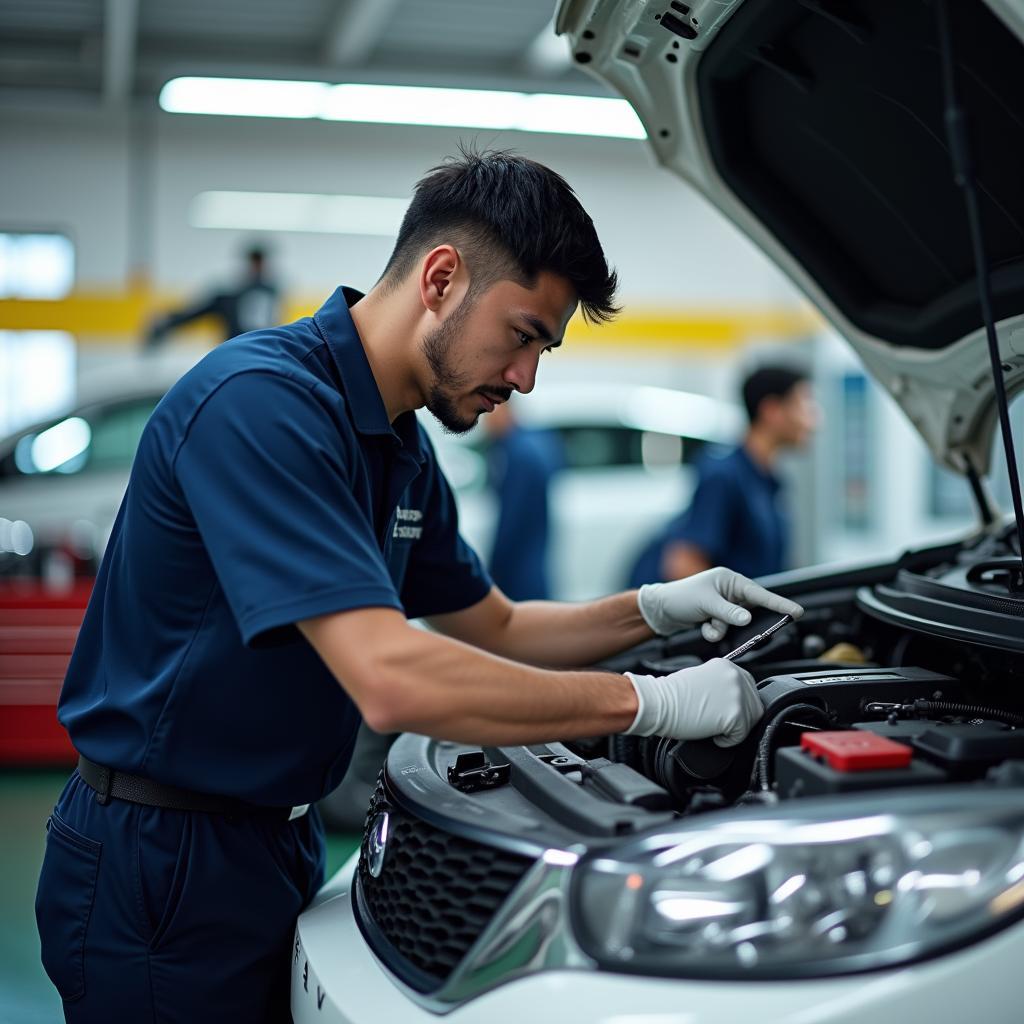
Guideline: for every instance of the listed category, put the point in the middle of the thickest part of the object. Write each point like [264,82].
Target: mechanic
[284,518]
[736,516]
[248,306]
[521,462]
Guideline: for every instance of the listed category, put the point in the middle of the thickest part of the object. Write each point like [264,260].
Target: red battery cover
[856,751]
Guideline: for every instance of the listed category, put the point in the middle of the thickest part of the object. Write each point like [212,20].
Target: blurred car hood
[817,127]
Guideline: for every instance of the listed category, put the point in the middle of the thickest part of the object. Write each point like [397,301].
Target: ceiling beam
[119,40]
[356,29]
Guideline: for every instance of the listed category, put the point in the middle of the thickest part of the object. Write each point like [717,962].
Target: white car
[860,857]
[628,468]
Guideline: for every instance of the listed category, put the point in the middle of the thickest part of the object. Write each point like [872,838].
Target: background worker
[284,518]
[521,463]
[251,305]
[736,517]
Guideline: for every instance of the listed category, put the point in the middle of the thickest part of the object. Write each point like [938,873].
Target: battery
[799,772]
[855,751]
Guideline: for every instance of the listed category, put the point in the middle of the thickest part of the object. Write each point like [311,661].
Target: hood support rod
[981,498]
[963,175]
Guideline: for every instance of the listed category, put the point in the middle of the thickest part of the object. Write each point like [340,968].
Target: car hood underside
[817,126]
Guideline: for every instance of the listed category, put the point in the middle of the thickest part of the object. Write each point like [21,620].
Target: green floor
[26,996]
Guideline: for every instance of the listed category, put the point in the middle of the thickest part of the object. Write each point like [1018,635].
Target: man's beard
[448,383]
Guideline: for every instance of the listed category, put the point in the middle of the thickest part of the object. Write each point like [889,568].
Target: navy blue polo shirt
[268,487]
[735,518]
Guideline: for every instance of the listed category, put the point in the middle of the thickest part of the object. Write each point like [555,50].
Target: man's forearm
[570,635]
[405,679]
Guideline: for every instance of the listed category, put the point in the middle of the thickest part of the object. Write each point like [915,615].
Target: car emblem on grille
[376,843]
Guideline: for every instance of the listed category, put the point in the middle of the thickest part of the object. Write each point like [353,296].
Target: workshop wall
[121,189]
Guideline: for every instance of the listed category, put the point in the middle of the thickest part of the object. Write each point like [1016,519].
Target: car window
[115,435]
[599,446]
[604,446]
[97,439]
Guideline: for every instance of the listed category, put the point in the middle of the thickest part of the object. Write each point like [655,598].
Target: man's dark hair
[510,218]
[769,382]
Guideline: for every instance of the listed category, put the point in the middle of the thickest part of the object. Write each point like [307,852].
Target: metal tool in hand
[758,639]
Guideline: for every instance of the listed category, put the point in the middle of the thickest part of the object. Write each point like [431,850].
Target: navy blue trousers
[151,916]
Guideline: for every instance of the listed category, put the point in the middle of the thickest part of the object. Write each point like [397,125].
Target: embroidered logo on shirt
[404,518]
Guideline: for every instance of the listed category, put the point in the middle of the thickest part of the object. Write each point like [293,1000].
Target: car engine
[921,666]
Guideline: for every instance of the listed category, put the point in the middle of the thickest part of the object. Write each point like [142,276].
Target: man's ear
[437,273]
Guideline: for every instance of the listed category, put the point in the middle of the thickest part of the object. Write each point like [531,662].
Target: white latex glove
[715,597]
[716,699]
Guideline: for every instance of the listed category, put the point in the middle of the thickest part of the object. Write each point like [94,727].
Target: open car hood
[817,127]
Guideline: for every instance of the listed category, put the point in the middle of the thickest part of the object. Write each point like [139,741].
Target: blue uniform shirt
[269,487]
[734,518]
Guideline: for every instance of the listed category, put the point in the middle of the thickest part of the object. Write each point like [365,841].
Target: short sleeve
[266,470]
[444,573]
[707,524]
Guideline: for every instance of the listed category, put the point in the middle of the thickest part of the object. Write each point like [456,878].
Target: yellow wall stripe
[120,318]
[695,328]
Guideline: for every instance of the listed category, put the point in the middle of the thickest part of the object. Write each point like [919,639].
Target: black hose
[949,707]
[899,652]
[764,748]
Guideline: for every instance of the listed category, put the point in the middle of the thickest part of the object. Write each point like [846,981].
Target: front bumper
[336,979]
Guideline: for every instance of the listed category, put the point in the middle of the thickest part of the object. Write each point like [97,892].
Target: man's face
[799,416]
[489,347]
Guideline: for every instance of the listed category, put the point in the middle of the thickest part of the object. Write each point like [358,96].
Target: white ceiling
[116,52]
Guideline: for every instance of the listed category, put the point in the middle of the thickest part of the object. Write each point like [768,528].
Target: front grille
[436,892]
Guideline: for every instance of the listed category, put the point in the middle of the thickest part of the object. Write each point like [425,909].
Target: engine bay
[899,676]
[878,711]
[919,667]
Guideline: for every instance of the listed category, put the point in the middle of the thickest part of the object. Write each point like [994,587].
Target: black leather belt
[138,790]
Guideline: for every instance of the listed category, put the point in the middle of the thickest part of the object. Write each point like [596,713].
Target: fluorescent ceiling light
[404,104]
[243,97]
[298,211]
[580,115]
[484,108]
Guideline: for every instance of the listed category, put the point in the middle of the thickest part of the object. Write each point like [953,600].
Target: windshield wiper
[963,175]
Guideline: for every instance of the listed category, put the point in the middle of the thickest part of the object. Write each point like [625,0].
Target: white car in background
[628,454]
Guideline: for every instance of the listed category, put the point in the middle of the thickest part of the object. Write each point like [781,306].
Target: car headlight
[799,892]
